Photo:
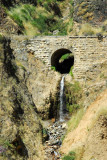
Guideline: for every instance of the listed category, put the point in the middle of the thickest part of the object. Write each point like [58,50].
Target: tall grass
[88,30]
[71,71]
[22,13]
[70,156]
[75,119]
[34,21]
[74,104]
[73,93]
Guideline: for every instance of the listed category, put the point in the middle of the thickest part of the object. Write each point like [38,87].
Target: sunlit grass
[37,20]
[88,29]
[75,119]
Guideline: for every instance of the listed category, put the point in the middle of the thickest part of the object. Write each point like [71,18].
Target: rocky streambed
[56,133]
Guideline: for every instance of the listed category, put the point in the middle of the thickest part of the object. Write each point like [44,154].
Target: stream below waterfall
[57,130]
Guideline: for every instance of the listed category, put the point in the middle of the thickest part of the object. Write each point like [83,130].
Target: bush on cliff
[70,156]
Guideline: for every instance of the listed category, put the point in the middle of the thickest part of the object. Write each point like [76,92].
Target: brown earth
[89,139]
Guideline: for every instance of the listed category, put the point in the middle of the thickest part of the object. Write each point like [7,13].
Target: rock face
[93,11]
[42,83]
[44,87]
[20,128]
[7,25]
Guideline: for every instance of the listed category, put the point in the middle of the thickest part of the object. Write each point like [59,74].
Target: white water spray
[61,114]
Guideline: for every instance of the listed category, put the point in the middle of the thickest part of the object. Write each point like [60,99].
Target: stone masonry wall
[88,52]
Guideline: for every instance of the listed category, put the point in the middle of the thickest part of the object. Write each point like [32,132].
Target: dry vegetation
[43,19]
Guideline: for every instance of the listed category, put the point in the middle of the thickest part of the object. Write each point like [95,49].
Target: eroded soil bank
[89,139]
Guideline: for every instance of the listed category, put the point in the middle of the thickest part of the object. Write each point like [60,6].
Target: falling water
[61,114]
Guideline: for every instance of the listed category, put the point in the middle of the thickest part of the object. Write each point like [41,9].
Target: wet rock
[64,126]
[56,131]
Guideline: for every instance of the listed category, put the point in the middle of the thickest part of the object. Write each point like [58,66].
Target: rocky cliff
[21,130]
[93,11]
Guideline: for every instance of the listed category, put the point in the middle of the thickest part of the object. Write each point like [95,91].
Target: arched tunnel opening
[62,60]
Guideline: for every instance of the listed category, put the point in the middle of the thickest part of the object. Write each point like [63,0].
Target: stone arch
[62,67]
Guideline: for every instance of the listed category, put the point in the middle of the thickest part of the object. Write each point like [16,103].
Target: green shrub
[70,25]
[62,138]
[45,135]
[40,23]
[7,144]
[73,93]
[70,156]
[1,38]
[65,56]
[73,108]
[60,26]
[71,73]
[71,2]
[53,68]
[40,20]
[22,14]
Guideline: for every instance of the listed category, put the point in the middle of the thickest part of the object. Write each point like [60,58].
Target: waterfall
[61,114]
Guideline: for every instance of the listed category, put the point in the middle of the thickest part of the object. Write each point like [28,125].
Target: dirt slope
[89,139]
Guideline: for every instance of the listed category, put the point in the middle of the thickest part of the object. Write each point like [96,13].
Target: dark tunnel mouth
[65,66]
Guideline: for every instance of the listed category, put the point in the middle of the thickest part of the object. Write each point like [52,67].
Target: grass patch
[74,104]
[73,108]
[75,119]
[37,20]
[71,73]
[70,25]
[7,144]
[88,30]
[65,56]
[45,135]
[53,68]
[73,93]
[1,38]
[70,156]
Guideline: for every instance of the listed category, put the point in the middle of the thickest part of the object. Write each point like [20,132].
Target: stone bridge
[88,52]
